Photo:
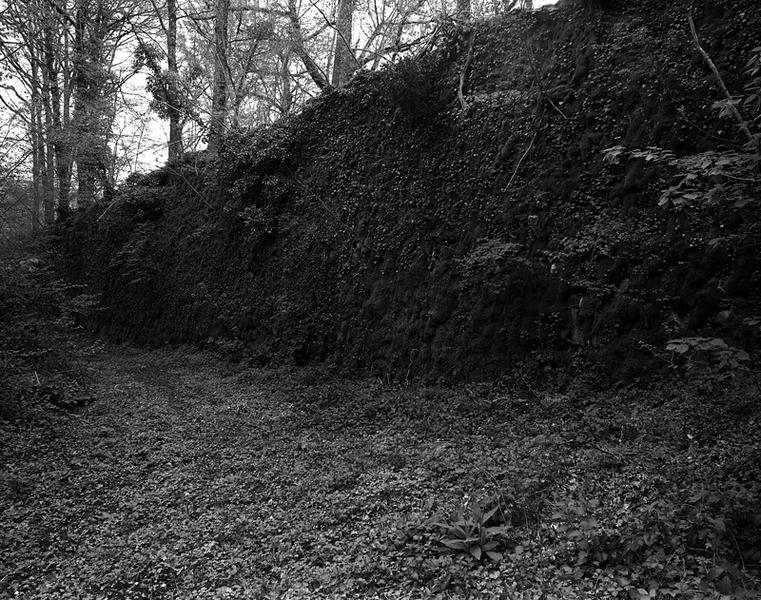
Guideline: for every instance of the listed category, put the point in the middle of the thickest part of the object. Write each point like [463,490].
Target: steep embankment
[392,229]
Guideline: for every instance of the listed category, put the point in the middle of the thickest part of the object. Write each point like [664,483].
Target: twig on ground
[616,455]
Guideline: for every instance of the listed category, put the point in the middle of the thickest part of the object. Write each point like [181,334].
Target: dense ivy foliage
[388,228]
[35,307]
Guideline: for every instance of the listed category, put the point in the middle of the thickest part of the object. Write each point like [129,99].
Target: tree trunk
[92,117]
[286,92]
[49,179]
[297,36]
[219,89]
[37,138]
[174,110]
[344,61]
[84,98]
[37,162]
[61,104]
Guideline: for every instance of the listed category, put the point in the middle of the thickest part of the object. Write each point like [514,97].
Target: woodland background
[480,319]
[84,82]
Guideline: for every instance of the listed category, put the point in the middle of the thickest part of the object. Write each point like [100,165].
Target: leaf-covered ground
[187,477]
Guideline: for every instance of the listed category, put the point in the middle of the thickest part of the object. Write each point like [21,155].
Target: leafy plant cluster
[712,365]
[708,181]
[139,200]
[35,307]
[410,88]
[714,195]
[642,545]
[750,102]
[689,530]
[253,165]
[703,351]
[753,87]
[167,89]
[471,530]
[716,179]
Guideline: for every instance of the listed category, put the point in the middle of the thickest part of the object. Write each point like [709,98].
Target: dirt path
[190,478]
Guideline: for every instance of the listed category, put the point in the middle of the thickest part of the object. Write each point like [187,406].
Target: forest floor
[188,477]
[129,473]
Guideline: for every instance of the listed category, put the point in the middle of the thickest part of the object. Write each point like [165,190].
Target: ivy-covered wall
[391,230]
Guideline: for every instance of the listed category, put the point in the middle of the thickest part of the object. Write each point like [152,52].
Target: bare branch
[720,82]
[464,72]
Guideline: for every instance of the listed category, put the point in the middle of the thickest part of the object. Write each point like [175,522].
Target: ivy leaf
[490,514]
[678,348]
[725,585]
[455,544]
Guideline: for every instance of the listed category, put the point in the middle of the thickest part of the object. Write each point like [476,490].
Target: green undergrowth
[188,477]
[39,314]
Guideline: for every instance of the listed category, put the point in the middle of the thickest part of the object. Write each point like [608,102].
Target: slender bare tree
[219,86]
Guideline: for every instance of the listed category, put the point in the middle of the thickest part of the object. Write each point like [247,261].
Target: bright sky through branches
[139,135]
